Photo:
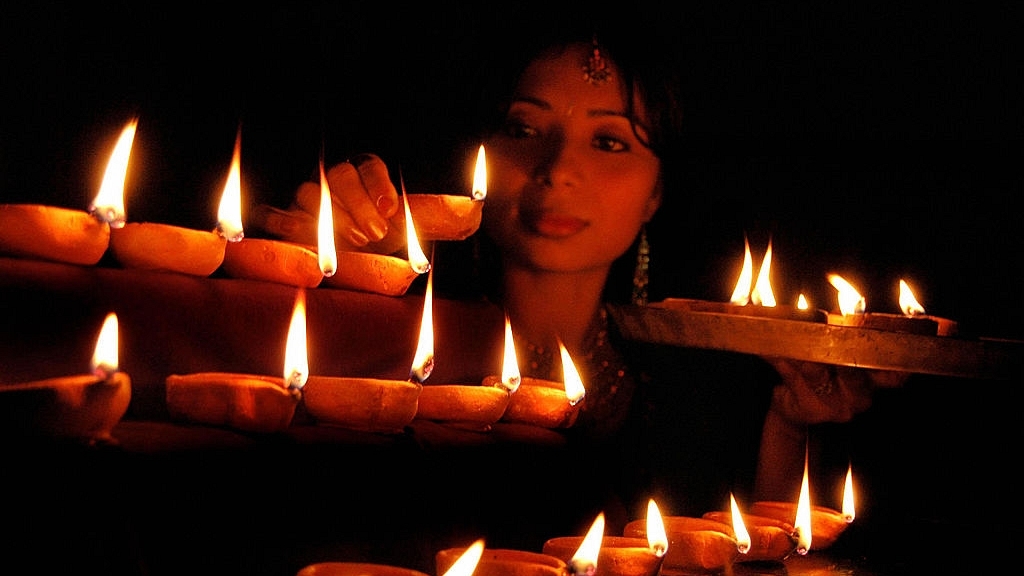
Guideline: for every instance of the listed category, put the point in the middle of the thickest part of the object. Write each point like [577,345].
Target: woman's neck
[543,306]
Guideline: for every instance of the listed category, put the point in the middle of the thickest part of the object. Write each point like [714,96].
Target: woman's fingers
[366,195]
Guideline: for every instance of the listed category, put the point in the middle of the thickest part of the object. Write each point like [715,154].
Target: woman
[579,162]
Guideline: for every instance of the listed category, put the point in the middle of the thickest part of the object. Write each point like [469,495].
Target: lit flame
[741,294]
[510,376]
[109,203]
[296,364]
[584,561]
[480,176]
[738,527]
[908,303]
[417,259]
[762,294]
[657,539]
[801,303]
[104,358]
[468,561]
[229,212]
[423,361]
[850,300]
[327,254]
[849,513]
[802,524]
[574,389]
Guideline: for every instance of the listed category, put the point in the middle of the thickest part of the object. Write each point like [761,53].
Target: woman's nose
[558,164]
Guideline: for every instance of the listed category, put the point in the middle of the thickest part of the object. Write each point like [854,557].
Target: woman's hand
[812,393]
[364,203]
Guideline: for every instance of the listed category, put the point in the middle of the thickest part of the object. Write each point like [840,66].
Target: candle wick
[104,371]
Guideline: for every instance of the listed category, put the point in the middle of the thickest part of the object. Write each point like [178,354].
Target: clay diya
[81,408]
[376,273]
[273,261]
[694,544]
[364,404]
[826,524]
[771,540]
[52,233]
[780,312]
[473,407]
[246,402]
[162,247]
[356,569]
[618,556]
[504,562]
[913,320]
[539,402]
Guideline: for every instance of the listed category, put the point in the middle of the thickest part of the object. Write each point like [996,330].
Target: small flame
[801,303]
[850,300]
[849,513]
[467,562]
[510,376]
[738,527]
[741,294]
[417,259]
[423,361]
[802,524]
[762,294]
[327,254]
[908,303]
[480,176]
[109,203]
[104,358]
[657,539]
[584,561]
[296,364]
[574,389]
[229,212]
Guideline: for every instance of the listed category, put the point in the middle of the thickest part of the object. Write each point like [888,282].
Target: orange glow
[657,539]
[849,512]
[850,300]
[741,294]
[467,562]
[423,361]
[105,358]
[229,212]
[801,303]
[108,205]
[908,303]
[327,254]
[802,524]
[574,389]
[296,364]
[480,175]
[417,259]
[585,558]
[738,527]
[762,294]
[510,375]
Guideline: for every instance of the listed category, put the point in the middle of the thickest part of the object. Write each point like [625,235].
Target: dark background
[880,142]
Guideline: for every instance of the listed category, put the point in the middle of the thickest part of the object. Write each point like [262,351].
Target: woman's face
[570,184]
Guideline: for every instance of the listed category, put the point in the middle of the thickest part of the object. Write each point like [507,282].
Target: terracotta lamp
[913,320]
[546,403]
[81,408]
[66,235]
[621,555]
[694,544]
[504,562]
[771,540]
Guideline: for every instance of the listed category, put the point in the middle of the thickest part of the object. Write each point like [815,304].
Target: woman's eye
[519,129]
[610,144]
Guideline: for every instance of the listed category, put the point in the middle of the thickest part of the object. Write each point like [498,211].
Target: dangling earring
[640,278]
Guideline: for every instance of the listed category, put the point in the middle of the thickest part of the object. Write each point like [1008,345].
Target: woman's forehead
[560,81]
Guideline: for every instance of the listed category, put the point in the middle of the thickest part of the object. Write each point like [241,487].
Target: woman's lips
[557,226]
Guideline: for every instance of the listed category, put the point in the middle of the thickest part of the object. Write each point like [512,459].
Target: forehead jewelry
[596,70]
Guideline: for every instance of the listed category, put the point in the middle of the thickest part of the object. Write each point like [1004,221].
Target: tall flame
[296,363]
[327,253]
[762,294]
[108,205]
[801,303]
[741,294]
[105,357]
[802,524]
[480,176]
[417,259]
[908,303]
[738,527]
[850,300]
[574,389]
[510,375]
[467,562]
[229,212]
[423,361]
[849,512]
[584,561]
[657,539]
